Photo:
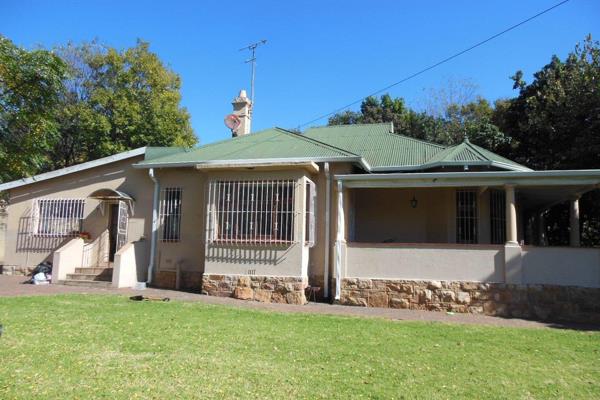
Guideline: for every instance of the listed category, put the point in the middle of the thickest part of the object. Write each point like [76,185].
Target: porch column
[541,227]
[340,240]
[511,215]
[574,235]
[513,266]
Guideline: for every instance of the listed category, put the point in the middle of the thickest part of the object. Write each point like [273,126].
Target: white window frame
[57,217]
[170,213]
[467,216]
[252,212]
[310,213]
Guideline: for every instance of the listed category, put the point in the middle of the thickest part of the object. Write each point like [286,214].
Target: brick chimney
[242,107]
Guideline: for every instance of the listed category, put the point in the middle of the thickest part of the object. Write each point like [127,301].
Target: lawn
[82,346]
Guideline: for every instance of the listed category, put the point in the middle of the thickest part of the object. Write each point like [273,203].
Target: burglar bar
[251,212]
[57,217]
[170,214]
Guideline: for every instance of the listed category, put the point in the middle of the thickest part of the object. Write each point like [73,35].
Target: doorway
[113,228]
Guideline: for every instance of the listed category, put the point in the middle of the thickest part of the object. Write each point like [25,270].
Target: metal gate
[123,222]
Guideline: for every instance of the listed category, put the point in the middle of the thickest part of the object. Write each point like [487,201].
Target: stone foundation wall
[16,270]
[545,302]
[266,289]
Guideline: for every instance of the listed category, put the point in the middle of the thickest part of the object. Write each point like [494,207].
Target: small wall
[66,259]
[127,265]
[545,302]
[481,263]
[266,289]
[570,266]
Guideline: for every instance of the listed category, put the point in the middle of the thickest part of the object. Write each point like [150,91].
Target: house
[365,214]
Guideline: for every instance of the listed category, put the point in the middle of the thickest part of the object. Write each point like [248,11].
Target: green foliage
[103,346]
[30,84]
[118,100]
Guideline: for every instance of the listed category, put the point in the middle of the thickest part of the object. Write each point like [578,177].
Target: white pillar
[574,235]
[541,226]
[340,240]
[511,216]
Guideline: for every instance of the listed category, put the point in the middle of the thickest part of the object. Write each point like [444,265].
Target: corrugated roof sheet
[466,152]
[377,144]
[272,143]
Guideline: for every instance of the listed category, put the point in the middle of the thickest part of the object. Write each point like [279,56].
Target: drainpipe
[327,230]
[154,232]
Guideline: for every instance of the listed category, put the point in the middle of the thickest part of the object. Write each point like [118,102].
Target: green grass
[81,346]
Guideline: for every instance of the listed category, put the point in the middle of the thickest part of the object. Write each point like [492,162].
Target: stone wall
[544,302]
[16,270]
[266,289]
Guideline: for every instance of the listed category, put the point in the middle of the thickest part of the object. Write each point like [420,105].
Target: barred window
[57,217]
[170,214]
[252,212]
[311,196]
[466,216]
[498,216]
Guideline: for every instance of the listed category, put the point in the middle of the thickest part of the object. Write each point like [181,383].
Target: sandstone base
[189,280]
[16,270]
[545,302]
[266,289]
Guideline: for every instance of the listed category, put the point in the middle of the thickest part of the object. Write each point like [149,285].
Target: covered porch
[485,227]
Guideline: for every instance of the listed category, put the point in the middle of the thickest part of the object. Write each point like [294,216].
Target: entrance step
[94,271]
[98,284]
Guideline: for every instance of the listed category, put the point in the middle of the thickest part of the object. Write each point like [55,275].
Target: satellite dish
[232,121]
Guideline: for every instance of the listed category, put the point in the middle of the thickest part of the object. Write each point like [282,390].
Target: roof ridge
[476,149]
[361,124]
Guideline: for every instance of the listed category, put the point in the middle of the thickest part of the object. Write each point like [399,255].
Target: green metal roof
[377,144]
[466,153]
[275,143]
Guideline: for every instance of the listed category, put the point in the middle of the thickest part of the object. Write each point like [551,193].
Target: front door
[113,228]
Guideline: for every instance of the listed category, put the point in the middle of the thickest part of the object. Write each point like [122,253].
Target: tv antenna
[252,61]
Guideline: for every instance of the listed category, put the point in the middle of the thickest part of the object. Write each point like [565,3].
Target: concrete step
[90,277]
[99,284]
[94,270]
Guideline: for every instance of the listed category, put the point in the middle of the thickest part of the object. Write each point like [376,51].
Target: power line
[437,64]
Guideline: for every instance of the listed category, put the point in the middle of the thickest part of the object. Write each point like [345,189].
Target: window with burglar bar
[498,216]
[170,214]
[466,216]
[57,217]
[251,212]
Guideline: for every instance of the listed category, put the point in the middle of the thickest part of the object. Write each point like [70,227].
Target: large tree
[30,85]
[118,100]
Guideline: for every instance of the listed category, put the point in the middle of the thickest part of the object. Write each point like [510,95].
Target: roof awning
[113,195]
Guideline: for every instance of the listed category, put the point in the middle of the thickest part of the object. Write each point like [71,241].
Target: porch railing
[95,253]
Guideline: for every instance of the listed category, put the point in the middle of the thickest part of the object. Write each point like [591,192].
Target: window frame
[467,216]
[56,217]
[252,212]
[170,214]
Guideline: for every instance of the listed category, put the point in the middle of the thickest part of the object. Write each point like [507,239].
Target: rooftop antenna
[252,60]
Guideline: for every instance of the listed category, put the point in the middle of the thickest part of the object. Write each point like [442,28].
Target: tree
[30,83]
[116,101]
[554,123]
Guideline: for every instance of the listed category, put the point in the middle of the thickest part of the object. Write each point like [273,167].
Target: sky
[320,55]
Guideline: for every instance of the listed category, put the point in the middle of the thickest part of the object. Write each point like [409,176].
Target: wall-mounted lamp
[414,202]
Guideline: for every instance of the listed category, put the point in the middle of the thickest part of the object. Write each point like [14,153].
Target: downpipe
[154,233]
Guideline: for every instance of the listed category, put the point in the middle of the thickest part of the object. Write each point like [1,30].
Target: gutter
[154,233]
[327,230]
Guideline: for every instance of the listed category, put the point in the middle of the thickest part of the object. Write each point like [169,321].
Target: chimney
[242,107]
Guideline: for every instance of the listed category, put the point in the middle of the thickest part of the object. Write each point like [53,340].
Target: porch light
[414,202]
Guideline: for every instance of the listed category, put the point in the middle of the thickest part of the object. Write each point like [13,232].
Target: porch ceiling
[538,198]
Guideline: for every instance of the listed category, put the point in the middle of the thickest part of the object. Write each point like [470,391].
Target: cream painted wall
[426,262]
[561,266]
[23,249]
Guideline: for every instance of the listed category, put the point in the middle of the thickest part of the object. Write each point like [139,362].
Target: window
[170,214]
[252,212]
[466,216]
[311,196]
[57,217]
[498,216]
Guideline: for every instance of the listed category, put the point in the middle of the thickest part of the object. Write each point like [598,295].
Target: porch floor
[12,286]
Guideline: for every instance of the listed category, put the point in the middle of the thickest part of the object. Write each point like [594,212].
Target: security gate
[122,224]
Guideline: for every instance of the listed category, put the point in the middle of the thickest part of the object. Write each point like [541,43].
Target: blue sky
[321,55]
